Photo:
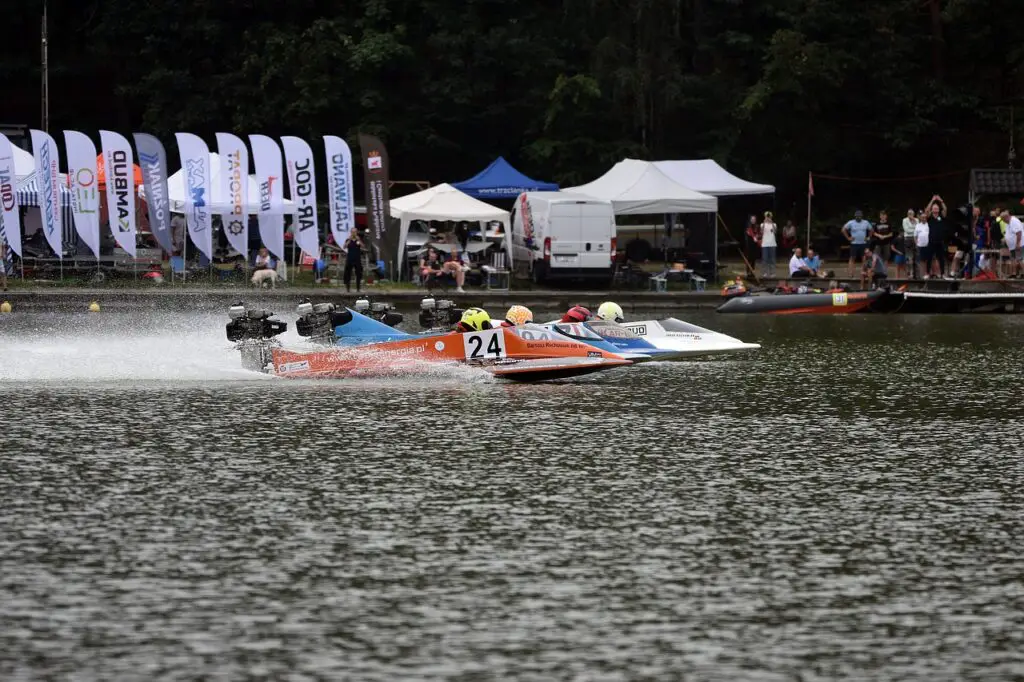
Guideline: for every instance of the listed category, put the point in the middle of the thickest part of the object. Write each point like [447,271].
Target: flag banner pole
[810,193]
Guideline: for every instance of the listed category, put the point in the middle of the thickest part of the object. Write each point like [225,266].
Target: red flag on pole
[810,184]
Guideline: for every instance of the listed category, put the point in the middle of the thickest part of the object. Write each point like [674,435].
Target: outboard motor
[436,314]
[317,321]
[382,312]
[253,330]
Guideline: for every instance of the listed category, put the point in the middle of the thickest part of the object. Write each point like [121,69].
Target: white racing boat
[687,339]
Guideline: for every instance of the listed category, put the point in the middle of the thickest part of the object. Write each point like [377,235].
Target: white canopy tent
[706,176]
[444,202]
[639,187]
[218,203]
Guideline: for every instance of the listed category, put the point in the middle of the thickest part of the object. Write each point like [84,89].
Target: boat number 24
[488,345]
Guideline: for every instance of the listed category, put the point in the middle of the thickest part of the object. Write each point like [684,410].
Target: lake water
[845,503]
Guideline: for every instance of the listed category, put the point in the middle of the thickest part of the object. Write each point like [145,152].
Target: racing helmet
[612,312]
[577,313]
[475,319]
[518,314]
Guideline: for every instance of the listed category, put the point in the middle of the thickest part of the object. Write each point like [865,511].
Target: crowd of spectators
[929,243]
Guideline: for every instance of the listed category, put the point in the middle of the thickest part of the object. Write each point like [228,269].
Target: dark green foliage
[772,88]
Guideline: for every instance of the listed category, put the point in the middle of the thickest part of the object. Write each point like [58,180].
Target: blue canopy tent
[501,181]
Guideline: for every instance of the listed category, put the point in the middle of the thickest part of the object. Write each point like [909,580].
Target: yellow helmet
[475,319]
[519,314]
[611,312]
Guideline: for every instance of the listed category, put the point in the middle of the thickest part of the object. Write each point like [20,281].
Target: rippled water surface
[845,503]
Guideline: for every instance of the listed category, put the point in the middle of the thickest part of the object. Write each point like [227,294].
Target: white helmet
[611,312]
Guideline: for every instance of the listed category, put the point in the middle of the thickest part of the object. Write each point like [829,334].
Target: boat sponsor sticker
[594,354]
[486,345]
[297,366]
[439,346]
[638,329]
[839,299]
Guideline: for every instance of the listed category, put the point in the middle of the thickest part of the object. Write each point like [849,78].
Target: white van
[558,235]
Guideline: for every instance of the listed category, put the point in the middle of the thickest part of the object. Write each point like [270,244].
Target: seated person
[265,269]
[474,320]
[798,268]
[813,261]
[874,269]
[433,265]
[516,315]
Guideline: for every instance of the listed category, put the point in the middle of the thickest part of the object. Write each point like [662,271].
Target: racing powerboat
[685,339]
[510,352]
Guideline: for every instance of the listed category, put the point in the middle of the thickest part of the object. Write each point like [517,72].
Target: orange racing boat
[525,353]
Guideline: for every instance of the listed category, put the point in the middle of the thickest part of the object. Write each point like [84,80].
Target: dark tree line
[772,88]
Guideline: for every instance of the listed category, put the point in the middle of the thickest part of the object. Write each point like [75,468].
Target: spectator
[752,243]
[1014,240]
[908,250]
[857,233]
[924,256]
[883,237]
[789,236]
[354,260]
[873,270]
[938,235]
[264,269]
[798,268]
[813,262]
[769,244]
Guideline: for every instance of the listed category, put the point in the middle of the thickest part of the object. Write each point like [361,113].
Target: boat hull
[685,340]
[502,352]
[838,303]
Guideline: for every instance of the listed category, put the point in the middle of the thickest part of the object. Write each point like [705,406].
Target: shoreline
[206,299]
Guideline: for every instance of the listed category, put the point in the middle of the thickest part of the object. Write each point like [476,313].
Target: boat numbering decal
[487,345]
[839,299]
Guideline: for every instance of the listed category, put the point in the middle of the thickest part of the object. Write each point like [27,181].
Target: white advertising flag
[302,180]
[266,158]
[10,218]
[339,185]
[119,169]
[195,162]
[233,191]
[83,184]
[47,175]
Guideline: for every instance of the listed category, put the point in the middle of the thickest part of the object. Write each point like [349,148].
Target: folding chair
[498,273]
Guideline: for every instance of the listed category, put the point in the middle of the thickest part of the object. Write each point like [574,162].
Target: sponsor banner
[266,158]
[83,183]
[47,164]
[120,173]
[339,185]
[378,207]
[153,160]
[302,180]
[195,164]
[10,217]
[234,190]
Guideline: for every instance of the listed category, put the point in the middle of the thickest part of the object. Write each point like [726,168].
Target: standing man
[883,237]
[354,260]
[1014,240]
[857,233]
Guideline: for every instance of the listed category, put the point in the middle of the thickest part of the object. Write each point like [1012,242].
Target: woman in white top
[924,254]
[769,244]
